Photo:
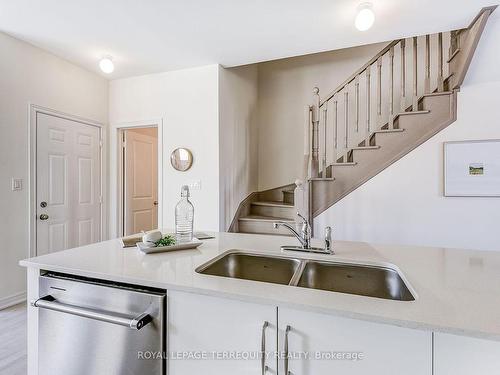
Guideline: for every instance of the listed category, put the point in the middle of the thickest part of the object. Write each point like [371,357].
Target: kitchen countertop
[457,291]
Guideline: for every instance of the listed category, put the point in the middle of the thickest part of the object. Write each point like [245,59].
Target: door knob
[44,217]
[155,203]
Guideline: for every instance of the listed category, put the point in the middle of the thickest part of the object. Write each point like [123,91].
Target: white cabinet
[218,336]
[385,349]
[459,355]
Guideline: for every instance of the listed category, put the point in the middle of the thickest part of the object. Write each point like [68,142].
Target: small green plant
[168,240]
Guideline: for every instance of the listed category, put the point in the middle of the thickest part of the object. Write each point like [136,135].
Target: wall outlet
[17,184]
[195,185]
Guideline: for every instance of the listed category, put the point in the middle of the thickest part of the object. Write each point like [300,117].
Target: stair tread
[273,204]
[366,148]
[389,131]
[350,163]
[422,112]
[322,179]
[265,218]
[437,93]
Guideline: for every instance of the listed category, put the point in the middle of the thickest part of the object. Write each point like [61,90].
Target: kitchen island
[455,312]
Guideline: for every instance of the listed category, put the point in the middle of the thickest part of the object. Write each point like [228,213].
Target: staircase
[403,96]
[258,212]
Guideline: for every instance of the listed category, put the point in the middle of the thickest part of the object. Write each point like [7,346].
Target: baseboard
[12,300]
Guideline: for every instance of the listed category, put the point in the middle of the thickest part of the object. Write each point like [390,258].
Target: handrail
[360,70]
[471,39]
[490,9]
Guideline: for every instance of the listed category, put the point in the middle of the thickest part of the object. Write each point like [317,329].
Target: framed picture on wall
[472,168]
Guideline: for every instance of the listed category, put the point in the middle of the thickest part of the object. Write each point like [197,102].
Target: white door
[141,182]
[68,175]
[324,345]
[219,336]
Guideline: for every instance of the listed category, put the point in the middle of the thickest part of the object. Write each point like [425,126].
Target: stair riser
[285,212]
[260,227]
[288,197]
[274,195]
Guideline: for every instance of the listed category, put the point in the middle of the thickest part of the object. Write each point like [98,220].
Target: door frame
[33,111]
[116,172]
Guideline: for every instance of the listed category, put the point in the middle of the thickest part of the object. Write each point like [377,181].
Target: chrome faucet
[304,237]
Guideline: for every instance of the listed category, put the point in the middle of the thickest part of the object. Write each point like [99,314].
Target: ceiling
[147,36]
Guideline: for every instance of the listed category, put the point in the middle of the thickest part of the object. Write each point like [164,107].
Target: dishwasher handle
[135,323]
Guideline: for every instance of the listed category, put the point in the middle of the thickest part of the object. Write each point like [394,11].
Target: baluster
[368,105]
[315,134]
[427,82]
[415,76]
[440,79]
[335,130]
[324,138]
[356,99]
[454,43]
[379,92]
[391,88]
[346,122]
[403,75]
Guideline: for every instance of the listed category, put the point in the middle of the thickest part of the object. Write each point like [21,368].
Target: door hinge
[100,199]
[124,143]
[100,143]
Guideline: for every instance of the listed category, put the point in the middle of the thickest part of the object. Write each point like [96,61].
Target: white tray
[148,249]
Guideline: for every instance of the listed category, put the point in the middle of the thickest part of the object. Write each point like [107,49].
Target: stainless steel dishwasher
[93,327]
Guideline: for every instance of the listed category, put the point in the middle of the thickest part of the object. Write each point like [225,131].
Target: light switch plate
[17,184]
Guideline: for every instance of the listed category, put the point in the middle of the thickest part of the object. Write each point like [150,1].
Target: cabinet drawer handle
[263,348]
[288,328]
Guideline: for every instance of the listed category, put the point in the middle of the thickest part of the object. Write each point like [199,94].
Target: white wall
[405,204]
[30,75]
[238,134]
[187,102]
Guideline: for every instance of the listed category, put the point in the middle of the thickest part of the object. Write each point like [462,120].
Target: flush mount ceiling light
[365,17]
[106,65]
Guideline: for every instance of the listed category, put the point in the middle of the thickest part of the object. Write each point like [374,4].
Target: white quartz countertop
[457,291]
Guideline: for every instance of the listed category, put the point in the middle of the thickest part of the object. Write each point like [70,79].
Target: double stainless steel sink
[360,279]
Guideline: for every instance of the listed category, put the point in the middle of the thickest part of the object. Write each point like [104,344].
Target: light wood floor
[13,357]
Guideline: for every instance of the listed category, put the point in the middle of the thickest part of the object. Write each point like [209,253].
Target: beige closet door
[68,195]
[140,182]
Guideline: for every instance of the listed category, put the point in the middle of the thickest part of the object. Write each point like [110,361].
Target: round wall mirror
[181,159]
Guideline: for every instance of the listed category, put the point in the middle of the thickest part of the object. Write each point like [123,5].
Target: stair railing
[375,94]
[369,100]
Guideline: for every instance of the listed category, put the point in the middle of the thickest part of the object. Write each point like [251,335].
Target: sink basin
[360,279]
[355,279]
[252,267]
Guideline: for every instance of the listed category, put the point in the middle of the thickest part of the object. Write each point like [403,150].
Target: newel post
[315,134]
